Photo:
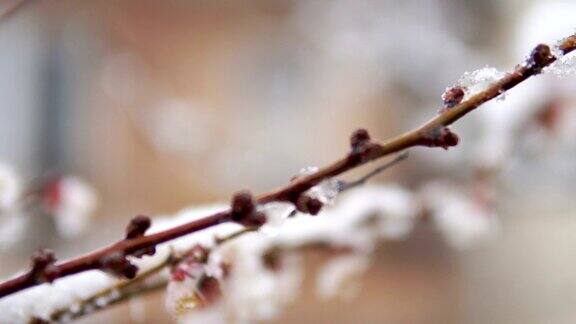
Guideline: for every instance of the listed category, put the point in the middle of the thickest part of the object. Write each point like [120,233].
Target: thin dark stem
[351,184]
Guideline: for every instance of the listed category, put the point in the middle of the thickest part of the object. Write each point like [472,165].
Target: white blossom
[339,277]
[73,206]
[463,221]
[10,187]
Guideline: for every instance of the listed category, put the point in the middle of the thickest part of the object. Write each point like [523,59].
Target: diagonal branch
[434,133]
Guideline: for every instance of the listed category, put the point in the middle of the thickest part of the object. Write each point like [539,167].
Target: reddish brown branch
[434,133]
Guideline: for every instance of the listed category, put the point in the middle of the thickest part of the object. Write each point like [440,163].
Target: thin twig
[434,133]
[351,184]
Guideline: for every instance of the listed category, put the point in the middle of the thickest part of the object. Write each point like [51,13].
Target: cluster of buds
[309,205]
[244,212]
[194,282]
[43,268]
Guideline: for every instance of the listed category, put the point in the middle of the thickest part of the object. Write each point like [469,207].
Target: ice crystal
[307,171]
[326,191]
[563,67]
[478,80]
[276,213]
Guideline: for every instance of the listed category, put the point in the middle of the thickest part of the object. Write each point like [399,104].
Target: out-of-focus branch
[124,290]
[362,180]
[434,133]
[12,8]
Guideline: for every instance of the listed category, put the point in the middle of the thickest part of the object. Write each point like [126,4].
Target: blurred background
[161,105]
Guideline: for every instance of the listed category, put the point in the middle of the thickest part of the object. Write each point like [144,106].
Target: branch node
[137,226]
[243,210]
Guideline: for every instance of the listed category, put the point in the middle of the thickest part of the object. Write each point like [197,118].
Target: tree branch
[434,133]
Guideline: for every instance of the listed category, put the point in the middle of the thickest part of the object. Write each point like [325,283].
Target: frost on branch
[68,292]
[478,80]
[252,277]
[564,66]
[452,96]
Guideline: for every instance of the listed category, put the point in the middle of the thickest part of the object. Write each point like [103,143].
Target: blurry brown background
[167,104]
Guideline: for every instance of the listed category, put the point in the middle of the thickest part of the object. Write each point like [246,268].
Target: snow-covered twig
[434,133]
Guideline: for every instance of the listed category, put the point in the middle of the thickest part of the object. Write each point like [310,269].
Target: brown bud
[242,203]
[567,43]
[43,269]
[452,96]
[540,57]
[359,137]
[138,226]
[118,265]
[309,205]
[360,144]
[440,137]
[243,210]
